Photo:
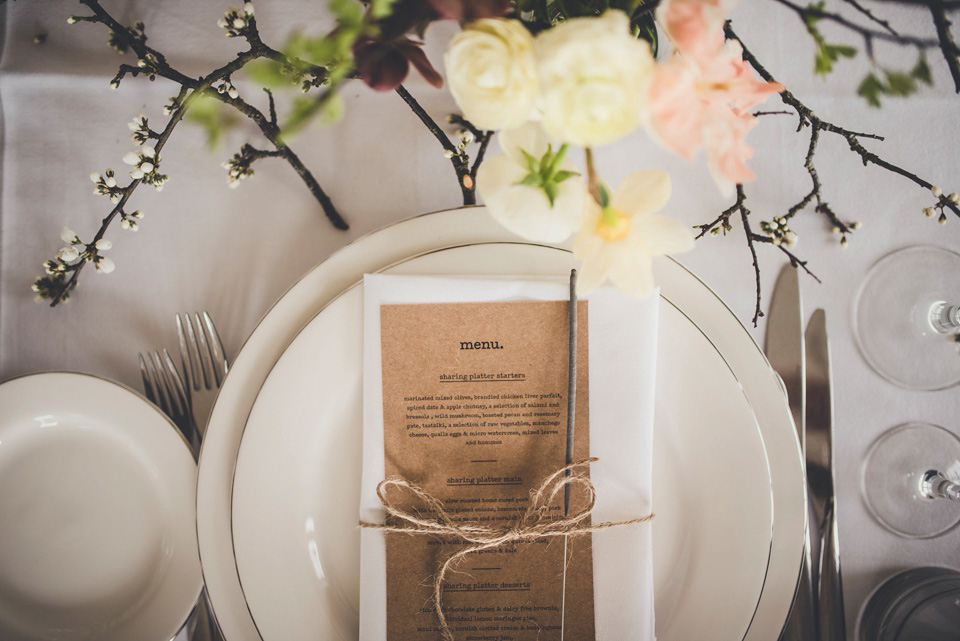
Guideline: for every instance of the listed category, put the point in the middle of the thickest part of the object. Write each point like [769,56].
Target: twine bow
[533,524]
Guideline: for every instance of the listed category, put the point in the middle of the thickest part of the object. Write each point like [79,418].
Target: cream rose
[491,71]
[593,78]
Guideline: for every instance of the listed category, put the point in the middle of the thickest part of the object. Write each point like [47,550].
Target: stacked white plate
[279,476]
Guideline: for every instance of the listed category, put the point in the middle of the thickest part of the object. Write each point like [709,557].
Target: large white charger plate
[397,242]
[97,513]
[297,483]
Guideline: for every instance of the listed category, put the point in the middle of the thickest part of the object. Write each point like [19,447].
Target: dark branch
[947,45]
[460,161]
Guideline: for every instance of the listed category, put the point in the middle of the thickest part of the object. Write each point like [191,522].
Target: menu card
[465,388]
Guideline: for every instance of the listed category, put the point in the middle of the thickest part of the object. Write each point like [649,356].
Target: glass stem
[934,485]
[945,317]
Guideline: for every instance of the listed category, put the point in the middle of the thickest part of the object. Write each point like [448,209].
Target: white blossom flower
[68,254]
[104,265]
[67,235]
[95,177]
[248,8]
[531,189]
[491,68]
[936,191]
[594,75]
[618,241]
[103,244]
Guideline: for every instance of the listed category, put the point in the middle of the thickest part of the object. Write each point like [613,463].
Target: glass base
[892,318]
[893,472]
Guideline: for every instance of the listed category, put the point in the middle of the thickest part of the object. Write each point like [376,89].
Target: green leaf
[921,71]
[267,73]
[870,89]
[563,174]
[210,114]
[899,83]
[533,165]
[380,9]
[604,195]
[645,28]
[838,51]
[530,180]
[551,190]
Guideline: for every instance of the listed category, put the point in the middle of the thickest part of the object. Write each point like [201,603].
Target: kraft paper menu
[475,413]
[616,356]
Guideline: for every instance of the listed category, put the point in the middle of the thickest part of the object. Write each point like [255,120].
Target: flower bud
[103,244]
[104,265]
[936,191]
[68,235]
[68,254]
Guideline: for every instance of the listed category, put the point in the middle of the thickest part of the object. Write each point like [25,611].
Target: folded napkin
[622,342]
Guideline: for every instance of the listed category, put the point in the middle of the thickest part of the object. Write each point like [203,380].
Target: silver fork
[204,362]
[165,389]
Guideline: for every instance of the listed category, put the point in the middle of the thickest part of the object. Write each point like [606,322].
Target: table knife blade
[784,347]
[819,427]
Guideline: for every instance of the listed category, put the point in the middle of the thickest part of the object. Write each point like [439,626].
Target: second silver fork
[204,362]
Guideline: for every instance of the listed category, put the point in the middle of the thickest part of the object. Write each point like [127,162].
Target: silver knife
[785,351]
[820,480]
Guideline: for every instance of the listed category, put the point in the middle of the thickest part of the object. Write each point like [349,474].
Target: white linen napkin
[622,342]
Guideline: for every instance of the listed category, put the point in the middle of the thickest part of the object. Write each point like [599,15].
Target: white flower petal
[136,174]
[149,151]
[526,210]
[103,244]
[643,192]
[146,167]
[529,137]
[661,235]
[67,235]
[105,265]
[132,158]
[95,177]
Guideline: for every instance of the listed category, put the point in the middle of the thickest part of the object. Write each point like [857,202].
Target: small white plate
[97,513]
[296,488]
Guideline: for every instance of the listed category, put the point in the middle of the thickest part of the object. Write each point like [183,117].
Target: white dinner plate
[414,236]
[297,483]
[97,513]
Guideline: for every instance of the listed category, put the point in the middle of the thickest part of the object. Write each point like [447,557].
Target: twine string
[534,524]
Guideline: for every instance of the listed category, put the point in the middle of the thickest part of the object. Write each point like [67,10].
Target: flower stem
[593,185]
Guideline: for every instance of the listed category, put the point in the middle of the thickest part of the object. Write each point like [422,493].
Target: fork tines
[201,351]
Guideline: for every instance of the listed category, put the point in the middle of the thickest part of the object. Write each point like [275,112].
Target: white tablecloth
[233,252]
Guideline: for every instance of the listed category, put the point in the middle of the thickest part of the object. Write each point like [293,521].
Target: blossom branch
[807,118]
[951,53]
[458,157]
[154,63]
[184,101]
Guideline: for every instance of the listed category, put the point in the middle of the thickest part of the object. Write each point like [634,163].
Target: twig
[152,64]
[807,118]
[947,45]
[873,17]
[257,50]
[184,101]
[459,160]
[865,32]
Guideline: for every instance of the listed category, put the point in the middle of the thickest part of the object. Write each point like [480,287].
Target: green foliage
[545,173]
[827,54]
[892,83]
[211,115]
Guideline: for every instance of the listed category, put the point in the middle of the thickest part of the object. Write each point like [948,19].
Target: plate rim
[153,411]
[758,432]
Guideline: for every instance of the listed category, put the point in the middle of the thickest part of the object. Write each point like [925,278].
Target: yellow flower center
[613,225]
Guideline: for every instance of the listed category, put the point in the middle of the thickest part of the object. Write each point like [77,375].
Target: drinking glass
[907,318]
[906,480]
[921,604]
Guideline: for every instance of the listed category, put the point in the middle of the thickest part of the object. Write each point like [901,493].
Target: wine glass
[907,318]
[905,480]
